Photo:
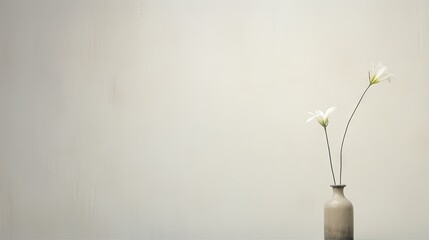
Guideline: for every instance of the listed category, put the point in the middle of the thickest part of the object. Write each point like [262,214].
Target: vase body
[338,216]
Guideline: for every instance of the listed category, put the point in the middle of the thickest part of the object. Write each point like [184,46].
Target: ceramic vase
[338,216]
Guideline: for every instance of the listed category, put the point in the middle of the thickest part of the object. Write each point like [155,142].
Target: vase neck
[338,190]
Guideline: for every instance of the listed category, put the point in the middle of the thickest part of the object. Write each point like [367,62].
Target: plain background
[186,119]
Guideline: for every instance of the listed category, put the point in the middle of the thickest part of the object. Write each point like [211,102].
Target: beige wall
[186,119]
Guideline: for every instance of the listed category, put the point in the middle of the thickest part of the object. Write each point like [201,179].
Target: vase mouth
[338,186]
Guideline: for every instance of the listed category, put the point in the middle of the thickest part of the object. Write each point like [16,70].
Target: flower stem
[329,151]
[347,127]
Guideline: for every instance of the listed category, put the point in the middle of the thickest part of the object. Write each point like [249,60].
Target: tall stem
[345,132]
[329,151]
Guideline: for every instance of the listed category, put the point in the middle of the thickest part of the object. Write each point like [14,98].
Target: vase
[338,216]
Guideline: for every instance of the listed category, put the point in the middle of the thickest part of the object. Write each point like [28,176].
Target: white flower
[322,118]
[378,74]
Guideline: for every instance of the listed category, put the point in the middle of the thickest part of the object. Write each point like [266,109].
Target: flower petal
[311,118]
[380,71]
[329,111]
[386,77]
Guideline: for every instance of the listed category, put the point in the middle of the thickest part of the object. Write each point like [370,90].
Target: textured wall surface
[186,119]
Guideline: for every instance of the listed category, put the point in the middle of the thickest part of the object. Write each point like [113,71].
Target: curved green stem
[330,158]
[347,127]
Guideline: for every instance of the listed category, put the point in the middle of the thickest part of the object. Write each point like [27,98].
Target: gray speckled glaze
[338,216]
